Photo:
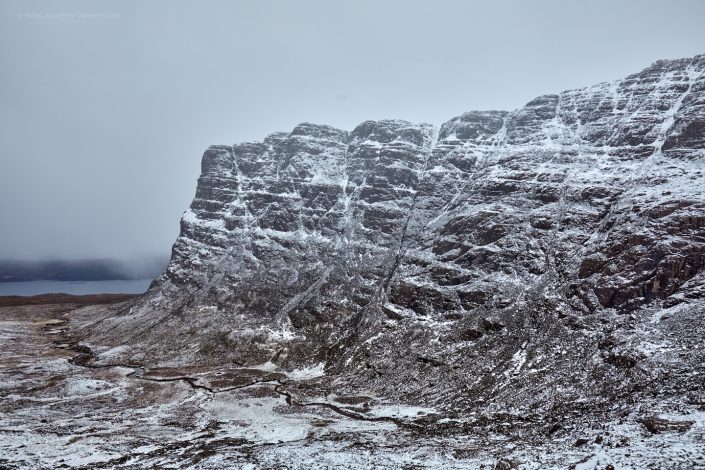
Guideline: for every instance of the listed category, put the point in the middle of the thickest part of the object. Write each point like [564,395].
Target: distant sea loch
[78,277]
[132,286]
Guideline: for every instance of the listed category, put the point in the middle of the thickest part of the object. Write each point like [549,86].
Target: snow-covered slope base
[60,409]
[533,263]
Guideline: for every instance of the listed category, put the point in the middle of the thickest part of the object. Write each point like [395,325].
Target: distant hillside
[81,270]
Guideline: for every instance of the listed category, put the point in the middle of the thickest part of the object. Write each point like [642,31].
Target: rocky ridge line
[503,259]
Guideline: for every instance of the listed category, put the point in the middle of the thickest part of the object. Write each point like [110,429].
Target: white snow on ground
[307,373]
[112,354]
[518,360]
[399,411]
[268,366]
[256,419]
[83,386]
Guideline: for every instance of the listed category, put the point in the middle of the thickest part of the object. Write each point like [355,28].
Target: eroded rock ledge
[535,260]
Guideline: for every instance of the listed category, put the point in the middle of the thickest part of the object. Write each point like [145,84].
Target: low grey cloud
[107,106]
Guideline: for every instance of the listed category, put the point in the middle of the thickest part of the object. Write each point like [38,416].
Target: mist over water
[81,270]
[137,286]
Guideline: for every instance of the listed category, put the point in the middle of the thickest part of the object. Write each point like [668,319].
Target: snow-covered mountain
[531,260]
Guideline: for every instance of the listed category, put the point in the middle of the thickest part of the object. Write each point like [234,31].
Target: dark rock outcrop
[505,246]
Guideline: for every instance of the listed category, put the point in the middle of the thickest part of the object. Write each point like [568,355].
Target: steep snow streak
[282,316]
[430,145]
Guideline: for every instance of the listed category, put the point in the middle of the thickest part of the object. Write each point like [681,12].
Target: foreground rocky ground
[66,405]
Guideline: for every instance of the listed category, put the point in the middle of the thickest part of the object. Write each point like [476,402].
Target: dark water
[74,287]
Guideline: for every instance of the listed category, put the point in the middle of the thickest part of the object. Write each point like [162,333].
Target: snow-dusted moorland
[518,289]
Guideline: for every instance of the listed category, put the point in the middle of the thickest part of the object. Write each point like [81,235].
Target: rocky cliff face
[527,259]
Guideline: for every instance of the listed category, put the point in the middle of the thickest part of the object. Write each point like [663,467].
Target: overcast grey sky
[107,106]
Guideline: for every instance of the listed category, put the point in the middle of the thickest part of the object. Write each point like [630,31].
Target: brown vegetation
[45,299]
